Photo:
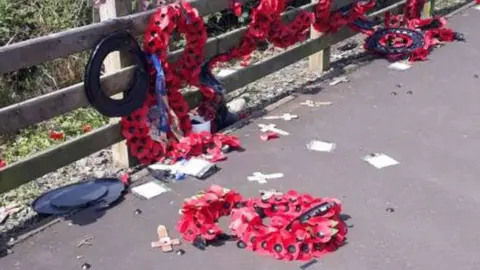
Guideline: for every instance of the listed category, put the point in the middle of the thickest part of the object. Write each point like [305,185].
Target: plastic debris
[312,104]
[164,241]
[272,127]
[285,116]
[400,65]
[150,190]
[269,135]
[338,80]
[321,146]
[262,178]
[225,72]
[380,161]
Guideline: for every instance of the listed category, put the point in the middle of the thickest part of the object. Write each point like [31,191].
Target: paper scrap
[477,7]
[321,146]
[400,65]
[380,161]
[196,167]
[225,72]
[150,190]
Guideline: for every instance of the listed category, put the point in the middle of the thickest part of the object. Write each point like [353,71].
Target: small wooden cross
[285,116]
[311,103]
[339,80]
[164,241]
[271,127]
[262,178]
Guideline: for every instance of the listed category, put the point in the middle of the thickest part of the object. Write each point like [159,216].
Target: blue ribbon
[160,112]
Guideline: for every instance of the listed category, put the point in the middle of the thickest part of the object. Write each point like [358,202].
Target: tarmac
[420,214]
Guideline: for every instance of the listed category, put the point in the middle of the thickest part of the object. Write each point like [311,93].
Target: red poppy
[56,135]
[3,163]
[237,9]
[87,128]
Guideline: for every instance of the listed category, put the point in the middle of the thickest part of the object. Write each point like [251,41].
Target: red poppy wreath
[301,226]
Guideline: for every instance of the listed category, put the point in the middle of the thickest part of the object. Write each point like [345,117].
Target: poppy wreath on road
[301,226]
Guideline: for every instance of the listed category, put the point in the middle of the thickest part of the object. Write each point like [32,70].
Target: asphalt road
[430,125]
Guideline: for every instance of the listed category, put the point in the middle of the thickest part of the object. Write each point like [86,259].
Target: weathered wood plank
[24,114]
[62,44]
[40,164]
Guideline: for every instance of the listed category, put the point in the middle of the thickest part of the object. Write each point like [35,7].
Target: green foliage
[35,139]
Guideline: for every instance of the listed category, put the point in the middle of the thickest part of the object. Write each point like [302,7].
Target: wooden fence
[39,50]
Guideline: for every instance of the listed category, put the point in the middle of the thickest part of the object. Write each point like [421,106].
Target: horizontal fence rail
[44,162]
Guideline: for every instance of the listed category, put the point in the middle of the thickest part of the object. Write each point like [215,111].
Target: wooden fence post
[320,60]
[113,62]
[428,9]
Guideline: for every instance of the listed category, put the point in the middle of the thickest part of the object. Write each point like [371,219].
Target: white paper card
[196,167]
[477,7]
[149,190]
[380,161]
[321,146]
[401,65]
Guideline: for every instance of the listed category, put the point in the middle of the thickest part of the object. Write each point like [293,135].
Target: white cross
[285,116]
[271,127]
[262,178]
[339,80]
[311,103]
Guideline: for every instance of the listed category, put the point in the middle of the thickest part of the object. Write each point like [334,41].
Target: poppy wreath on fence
[301,226]
[266,25]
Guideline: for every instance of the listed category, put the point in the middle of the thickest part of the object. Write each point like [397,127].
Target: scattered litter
[86,241]
[321,146]
[285,116]
[390,210]
[262,178]
[409,92]
[149,190]
[400,65]
[138,211]
[308,264]
[6,211]
[393,93]
[269,135]
[164,241]
[79,257]
[225,72]
[338,80]
[86,266]
[272,127]
[348,47]
[180,252]
[196,167]
[311,103]
[266,194]
[380,161]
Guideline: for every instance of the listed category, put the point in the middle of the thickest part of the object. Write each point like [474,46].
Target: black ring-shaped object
[136,93]
[373,42]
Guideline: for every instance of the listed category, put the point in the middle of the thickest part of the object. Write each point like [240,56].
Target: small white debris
[150,190]
[321,146]
[262,178]
[338,80]
[477,7]
[236,105]
[285,116]
[225,72]
[6,211]
[312,104]
[400,65]
[380,161]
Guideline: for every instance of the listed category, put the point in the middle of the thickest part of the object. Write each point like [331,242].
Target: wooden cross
[262,178]
[271,127]
[311,103]
[339,80]
[285,116]
[164,241]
